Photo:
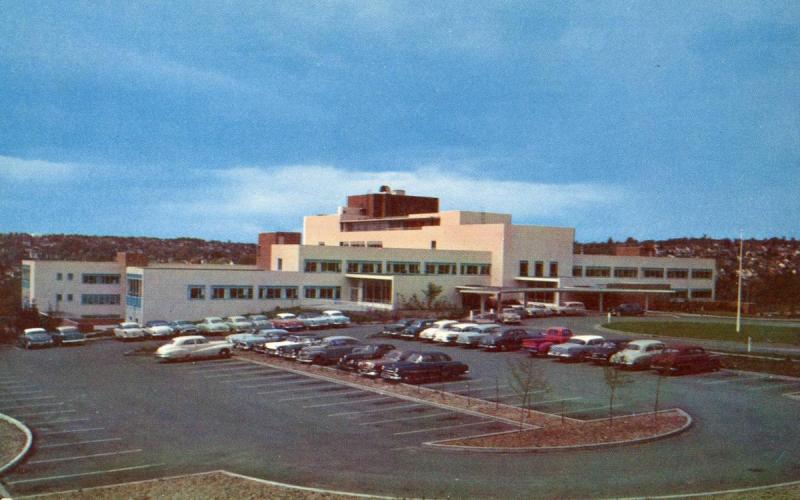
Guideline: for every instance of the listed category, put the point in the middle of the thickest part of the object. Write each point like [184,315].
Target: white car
[572,309]
[428,333]
[449,334]
[272,348]
[337,318]
[239,324]
[158,328]
[194,346]
[576,348]
[129,331]
[637,354]
[511,315]
[260,321]
[471,337]
[314,320]
[539,310]
[213,325]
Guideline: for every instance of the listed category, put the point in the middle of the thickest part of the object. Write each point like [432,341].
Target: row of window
[645,272]
[394,267]
[538,268]
[92,278]
[98,299]
[198,292]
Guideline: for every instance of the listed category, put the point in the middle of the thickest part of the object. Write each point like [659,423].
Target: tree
[431,293]
[526,379]
[615,378]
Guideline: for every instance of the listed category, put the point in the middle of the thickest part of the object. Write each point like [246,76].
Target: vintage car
[298,340]
[600,354]
[35,337]
[183,327]
[239,324]
[337,318]
[471,337]
[287,321]
[637,354]
[328,351]
[265,337]
[510,316]
[374,367]
[427,334]
[633,309]
[350,361]
[158,328]
[396,328]
[506,340]
[129,330]
[684,358]
[193,346]
[576,348]
[572,309]
[540,345]
[313,321]
[539,309]
[259,321]
[413,330]
[449,334]
[213,325]
[68,336]
[424,367]
[244,338]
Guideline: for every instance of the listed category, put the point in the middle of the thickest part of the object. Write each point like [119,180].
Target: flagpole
[739,295]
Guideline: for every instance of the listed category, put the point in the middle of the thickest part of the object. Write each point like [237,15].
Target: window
[677,273]
[279,266]
[484,269]
[69,297]
[364,267]
[134,297]
[379,291]
[701,294]
[375,244]
[554,269]
[653,272]
[441,268]
[331,267]
[59,276]
[323,266]
[681,294]
[702,274]
[523,268]
[291,292]
[433,244]
[70,276]
[26,277]
[469,269]
[101,279]
[240,292]
[311,266]
[100,299]
[197,292]
[277,292]
[538,269]
[577,271]
[598,272]
[217,292]
[310,292]
[626,272]
[403,267]
[58,297]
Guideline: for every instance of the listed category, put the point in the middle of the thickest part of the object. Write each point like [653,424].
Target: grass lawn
[710,331]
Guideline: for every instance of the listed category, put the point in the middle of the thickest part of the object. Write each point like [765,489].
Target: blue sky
[223,119]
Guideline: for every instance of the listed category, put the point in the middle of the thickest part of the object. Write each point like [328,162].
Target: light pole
[739,294]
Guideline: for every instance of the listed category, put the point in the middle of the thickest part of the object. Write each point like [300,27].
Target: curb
[25,450]
[551,449]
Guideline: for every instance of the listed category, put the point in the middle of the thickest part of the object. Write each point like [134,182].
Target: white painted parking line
[70,431]
[83,457]
[604,407]
[50,412]
[403,419]
[318,396]
[291,389]
[738,378]
[63,420]
[79,443]
[536,403]
[235,373]
[250,379]
[771,386]
[23,393]
[227,368]
[376,410]
[92,473]
[34,398]
[355,401]
[434,429]
[293,382]
[34,405]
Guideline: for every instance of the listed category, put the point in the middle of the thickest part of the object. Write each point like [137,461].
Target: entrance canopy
[498,291]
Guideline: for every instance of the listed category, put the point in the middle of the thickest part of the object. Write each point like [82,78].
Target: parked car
[539,310]
[314,321]
[600,354]
[193,346]
[396,328]
[510,316]
[259,321]
[337,318]
[506,340]
[427,334]
[257,345]
[684,358]
[572,309]
[35,337]
[413,330]
[637,354]
[301,339]
[632,309]
[243,338]
[68,336]
[370,351]
[287,321]
[540,345]
[129,330]
[424,367]
[183,327]
[239,324]
[374,367]
[471,337]
[486,317]
[158,328]
[576,348]
[449,334]
[213,325]
[328,351]
[291,351]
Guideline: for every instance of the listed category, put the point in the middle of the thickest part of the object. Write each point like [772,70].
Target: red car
[539,346]
[684,358]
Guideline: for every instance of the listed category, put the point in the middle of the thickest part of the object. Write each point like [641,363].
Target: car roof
[340,337]
[587,337]
[185,337]
[645,342]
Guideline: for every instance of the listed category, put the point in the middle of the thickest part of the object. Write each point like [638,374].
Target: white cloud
[20,170]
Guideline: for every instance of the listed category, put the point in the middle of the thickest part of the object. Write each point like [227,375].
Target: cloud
[20,170]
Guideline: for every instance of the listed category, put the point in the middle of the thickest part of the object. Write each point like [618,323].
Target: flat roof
[490,290]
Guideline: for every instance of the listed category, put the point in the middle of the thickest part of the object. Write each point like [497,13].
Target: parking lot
[100,416]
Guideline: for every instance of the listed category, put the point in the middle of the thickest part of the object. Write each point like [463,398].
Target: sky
[220,120]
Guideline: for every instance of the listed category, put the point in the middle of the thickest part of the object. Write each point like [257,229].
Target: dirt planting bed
[12,440]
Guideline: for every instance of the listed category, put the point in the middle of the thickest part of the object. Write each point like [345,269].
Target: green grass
[710,331]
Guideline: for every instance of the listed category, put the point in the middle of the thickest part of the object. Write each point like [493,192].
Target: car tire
[225,353]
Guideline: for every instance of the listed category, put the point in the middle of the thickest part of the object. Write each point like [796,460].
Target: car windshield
[633,347]
[129,325]
[69,329]
[157,323]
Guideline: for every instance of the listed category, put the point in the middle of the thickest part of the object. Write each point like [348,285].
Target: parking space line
[247,379]
[63,420]
[604,407]
[376,410]
[35,405]
[315,388]
[43,413]
[34,391]
[318,396]
[416,417]
[433,429]
[77,443]
[350,402]
[738,378]
[203,371]
[35,398]
[236,373]
[70,431]
[293,382]
[83,457]
[771,385]
[64,476]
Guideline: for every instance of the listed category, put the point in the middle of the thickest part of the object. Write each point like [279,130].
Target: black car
[290,350]
[424,367]
[599,354]
[183,327]
[395,329]
[632,309]
[328,351]
[413,330]
[506,340]
[372,351]
[35,337]
[68,336]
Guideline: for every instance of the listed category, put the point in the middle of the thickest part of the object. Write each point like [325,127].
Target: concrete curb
[551,449]
[25,450]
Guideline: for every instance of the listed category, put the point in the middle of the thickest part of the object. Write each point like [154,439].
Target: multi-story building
[380,251]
